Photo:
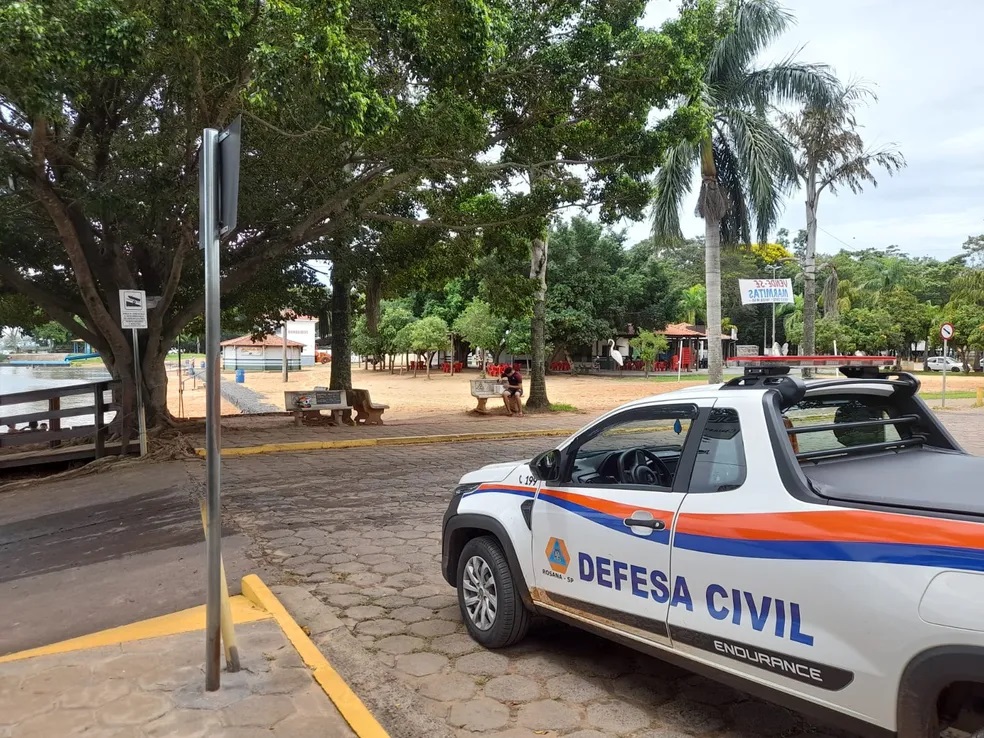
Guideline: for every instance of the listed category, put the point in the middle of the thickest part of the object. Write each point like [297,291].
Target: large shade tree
[831,154]
[102,103]
[745,162]
[355,113]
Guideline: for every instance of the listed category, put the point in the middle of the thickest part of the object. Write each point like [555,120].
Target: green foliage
[518,337]
[429,335]
[874,329]
[595,287]
[53,333]
[17,311]
[693,303]
[479,327]
[967,317]
[363,342]
[649,345]
[394,317]
[368,129]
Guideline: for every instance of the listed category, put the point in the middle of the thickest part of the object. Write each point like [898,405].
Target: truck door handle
[645,523]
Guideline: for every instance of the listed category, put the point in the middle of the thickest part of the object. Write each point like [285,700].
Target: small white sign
[765,291]
[946,331]
[133,309]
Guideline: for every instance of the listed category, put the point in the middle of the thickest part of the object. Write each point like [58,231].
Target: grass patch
[685,377]
[87,362]
[950,395]
[562,407]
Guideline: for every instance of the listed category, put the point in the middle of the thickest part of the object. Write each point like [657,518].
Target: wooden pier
[53,436]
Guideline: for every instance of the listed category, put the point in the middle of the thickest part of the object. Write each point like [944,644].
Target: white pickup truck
[818,544]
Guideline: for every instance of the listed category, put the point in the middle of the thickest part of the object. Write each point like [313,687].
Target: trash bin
[240,376]
[203,365]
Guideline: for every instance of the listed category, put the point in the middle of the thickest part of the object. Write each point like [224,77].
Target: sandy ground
[192,400]
[415,397]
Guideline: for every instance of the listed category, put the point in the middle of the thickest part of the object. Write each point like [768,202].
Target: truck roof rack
[772,372]
[791,389]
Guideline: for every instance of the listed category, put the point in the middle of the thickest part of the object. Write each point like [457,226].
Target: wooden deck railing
[54,435]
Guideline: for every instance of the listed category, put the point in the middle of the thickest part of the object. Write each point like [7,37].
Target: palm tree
[893,272]
[693,303]
[831,154]
[745,162]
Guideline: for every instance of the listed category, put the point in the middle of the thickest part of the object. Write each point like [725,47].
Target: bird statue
[615,353]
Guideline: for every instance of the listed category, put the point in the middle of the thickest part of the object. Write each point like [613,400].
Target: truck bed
[920,479]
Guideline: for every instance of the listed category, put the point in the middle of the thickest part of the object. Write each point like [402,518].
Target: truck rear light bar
[855,367]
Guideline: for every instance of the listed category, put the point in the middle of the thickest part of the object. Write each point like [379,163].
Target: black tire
[511,620]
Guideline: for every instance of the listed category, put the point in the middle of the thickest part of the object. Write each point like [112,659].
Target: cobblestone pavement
[360,529]
[966,425]
[155,687]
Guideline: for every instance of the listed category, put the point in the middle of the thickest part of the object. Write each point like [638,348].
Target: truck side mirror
[546,466]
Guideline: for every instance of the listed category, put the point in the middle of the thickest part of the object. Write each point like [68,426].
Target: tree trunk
[341,356]
[712,278]
[538,339]
[809,344]
[155,387]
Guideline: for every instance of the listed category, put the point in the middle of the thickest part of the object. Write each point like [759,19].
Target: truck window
[720,461]
[838,410]
[622,452]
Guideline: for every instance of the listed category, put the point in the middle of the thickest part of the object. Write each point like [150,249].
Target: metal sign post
[218,199]
[133,315]
[946,333]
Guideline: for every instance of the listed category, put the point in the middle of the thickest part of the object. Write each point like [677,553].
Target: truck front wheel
[491,607]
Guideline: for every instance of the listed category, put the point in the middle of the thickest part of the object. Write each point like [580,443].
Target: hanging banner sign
[765,291]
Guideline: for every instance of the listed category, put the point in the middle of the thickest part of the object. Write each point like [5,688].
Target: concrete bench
[367,412]
[308,404]
[484,390]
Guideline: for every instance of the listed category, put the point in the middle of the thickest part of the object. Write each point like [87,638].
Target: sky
[924,62]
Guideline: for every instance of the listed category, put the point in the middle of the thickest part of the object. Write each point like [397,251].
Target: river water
[26,378]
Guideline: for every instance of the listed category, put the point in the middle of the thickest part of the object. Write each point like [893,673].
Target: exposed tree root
[164,444]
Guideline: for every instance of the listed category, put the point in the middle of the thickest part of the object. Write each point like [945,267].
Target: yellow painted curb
[298,446]
[356,714]
[185,621]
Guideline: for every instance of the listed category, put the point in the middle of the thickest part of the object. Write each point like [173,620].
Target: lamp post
[774,268]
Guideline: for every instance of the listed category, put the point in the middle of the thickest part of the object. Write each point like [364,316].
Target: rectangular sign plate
[133,309]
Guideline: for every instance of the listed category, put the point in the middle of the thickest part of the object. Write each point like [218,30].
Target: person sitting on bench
[512,392]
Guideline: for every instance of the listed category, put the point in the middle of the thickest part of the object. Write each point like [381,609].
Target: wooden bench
[307,405]
[485,390]
[367,412]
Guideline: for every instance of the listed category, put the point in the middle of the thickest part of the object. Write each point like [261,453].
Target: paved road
[81,555]
[361,531]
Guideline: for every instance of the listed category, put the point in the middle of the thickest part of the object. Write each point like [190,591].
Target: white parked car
[936,364]
[791,539]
